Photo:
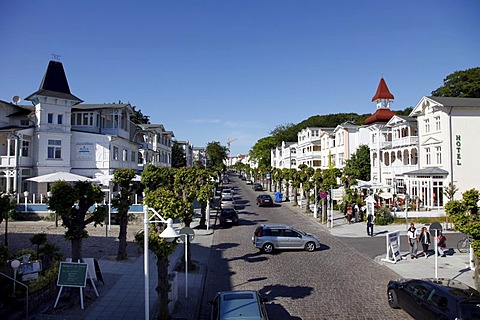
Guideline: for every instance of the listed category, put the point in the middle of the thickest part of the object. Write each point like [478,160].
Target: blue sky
[213,70]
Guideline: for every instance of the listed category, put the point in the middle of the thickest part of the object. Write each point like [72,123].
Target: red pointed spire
[382,91]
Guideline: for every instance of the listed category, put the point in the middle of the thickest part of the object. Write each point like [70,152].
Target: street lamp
[169,234]
[25,194]
[14,264]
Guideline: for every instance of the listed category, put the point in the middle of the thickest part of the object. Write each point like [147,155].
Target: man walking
[370,219]
[412,235]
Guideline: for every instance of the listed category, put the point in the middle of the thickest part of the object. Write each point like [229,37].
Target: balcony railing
[405,141]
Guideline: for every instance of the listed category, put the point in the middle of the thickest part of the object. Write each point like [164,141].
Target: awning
[386,195]
[65,176]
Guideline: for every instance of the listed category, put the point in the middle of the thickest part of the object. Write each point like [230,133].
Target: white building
[59,133]
[448,149]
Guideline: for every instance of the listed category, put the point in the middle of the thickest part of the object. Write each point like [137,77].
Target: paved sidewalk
[125,298]
[455,265]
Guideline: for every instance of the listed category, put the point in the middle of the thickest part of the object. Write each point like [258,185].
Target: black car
[434,298]
[228,215]
[257,187]
[264,200]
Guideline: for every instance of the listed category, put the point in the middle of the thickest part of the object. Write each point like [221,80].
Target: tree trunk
[307,201]
[476,277]
[122,238]
[203,218]
[77,249]
[295,196]
[163,288]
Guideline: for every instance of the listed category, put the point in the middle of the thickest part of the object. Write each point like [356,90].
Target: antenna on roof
[56,57]
[16,99]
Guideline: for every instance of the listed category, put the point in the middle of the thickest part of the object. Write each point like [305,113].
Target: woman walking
[425,240]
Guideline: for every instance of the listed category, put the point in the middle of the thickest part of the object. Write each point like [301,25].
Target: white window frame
[54,149]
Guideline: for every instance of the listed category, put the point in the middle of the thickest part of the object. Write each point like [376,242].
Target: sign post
[393,247]
[72,274]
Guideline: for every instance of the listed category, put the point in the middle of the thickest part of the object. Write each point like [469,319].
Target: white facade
[60,133]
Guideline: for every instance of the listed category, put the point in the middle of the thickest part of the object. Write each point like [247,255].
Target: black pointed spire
[54,83]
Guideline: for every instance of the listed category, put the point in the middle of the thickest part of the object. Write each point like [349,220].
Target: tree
[216,155]
[122,201]
[7,205]
[261,151]
[169,205]
[138,117]
[157,177]
[206,192]
[306,174]
[465,84]
[466,218]
[358,166]
[178,156]
[72,203]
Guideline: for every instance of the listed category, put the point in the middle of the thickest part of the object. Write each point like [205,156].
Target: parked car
[264,200]
[238,305]
[434,298]
[268,237]
[257,187]
[227,192]
[227,202]
[249,182]
[228,215]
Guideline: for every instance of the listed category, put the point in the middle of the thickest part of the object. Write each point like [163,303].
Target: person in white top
[412,236]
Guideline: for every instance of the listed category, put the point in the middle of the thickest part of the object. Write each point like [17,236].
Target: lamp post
[170,234]
[14,264]
[25,194]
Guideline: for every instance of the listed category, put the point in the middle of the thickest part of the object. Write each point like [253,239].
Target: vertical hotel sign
[458,148]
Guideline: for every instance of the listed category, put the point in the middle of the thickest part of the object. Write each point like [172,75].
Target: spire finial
[55,57]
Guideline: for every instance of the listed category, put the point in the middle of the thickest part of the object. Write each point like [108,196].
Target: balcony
[405,141]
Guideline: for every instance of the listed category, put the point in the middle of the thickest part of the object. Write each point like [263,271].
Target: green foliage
[358,166]
[72,204]
[38,240]
[450,191]
[261,151]
[157,177]
[178,156]
[5,255]
[383,216]
[216,154]
[465,83]
[138,117]
[7,205]
[45,278]
[465,215]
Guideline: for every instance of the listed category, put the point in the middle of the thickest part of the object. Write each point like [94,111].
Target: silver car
[227,202]
[268,237]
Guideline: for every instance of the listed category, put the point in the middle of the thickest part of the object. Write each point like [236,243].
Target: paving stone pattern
[333,282]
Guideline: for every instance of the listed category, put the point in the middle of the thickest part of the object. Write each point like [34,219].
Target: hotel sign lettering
[458,147]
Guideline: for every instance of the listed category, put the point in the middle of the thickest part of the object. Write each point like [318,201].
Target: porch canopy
[65,176]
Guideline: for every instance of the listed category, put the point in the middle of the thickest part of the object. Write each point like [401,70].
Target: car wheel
[310,246]
[392,299]
[267,248]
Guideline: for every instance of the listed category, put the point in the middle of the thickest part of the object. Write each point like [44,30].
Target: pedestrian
[412,236]
[349,214]
[441,244]
[425,240]
[356,211]
[370,219]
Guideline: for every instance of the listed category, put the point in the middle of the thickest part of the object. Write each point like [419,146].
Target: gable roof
[382,92]
[54,84]
[457,102]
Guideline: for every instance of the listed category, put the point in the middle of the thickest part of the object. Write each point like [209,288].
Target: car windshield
[227,199]
[242,305]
